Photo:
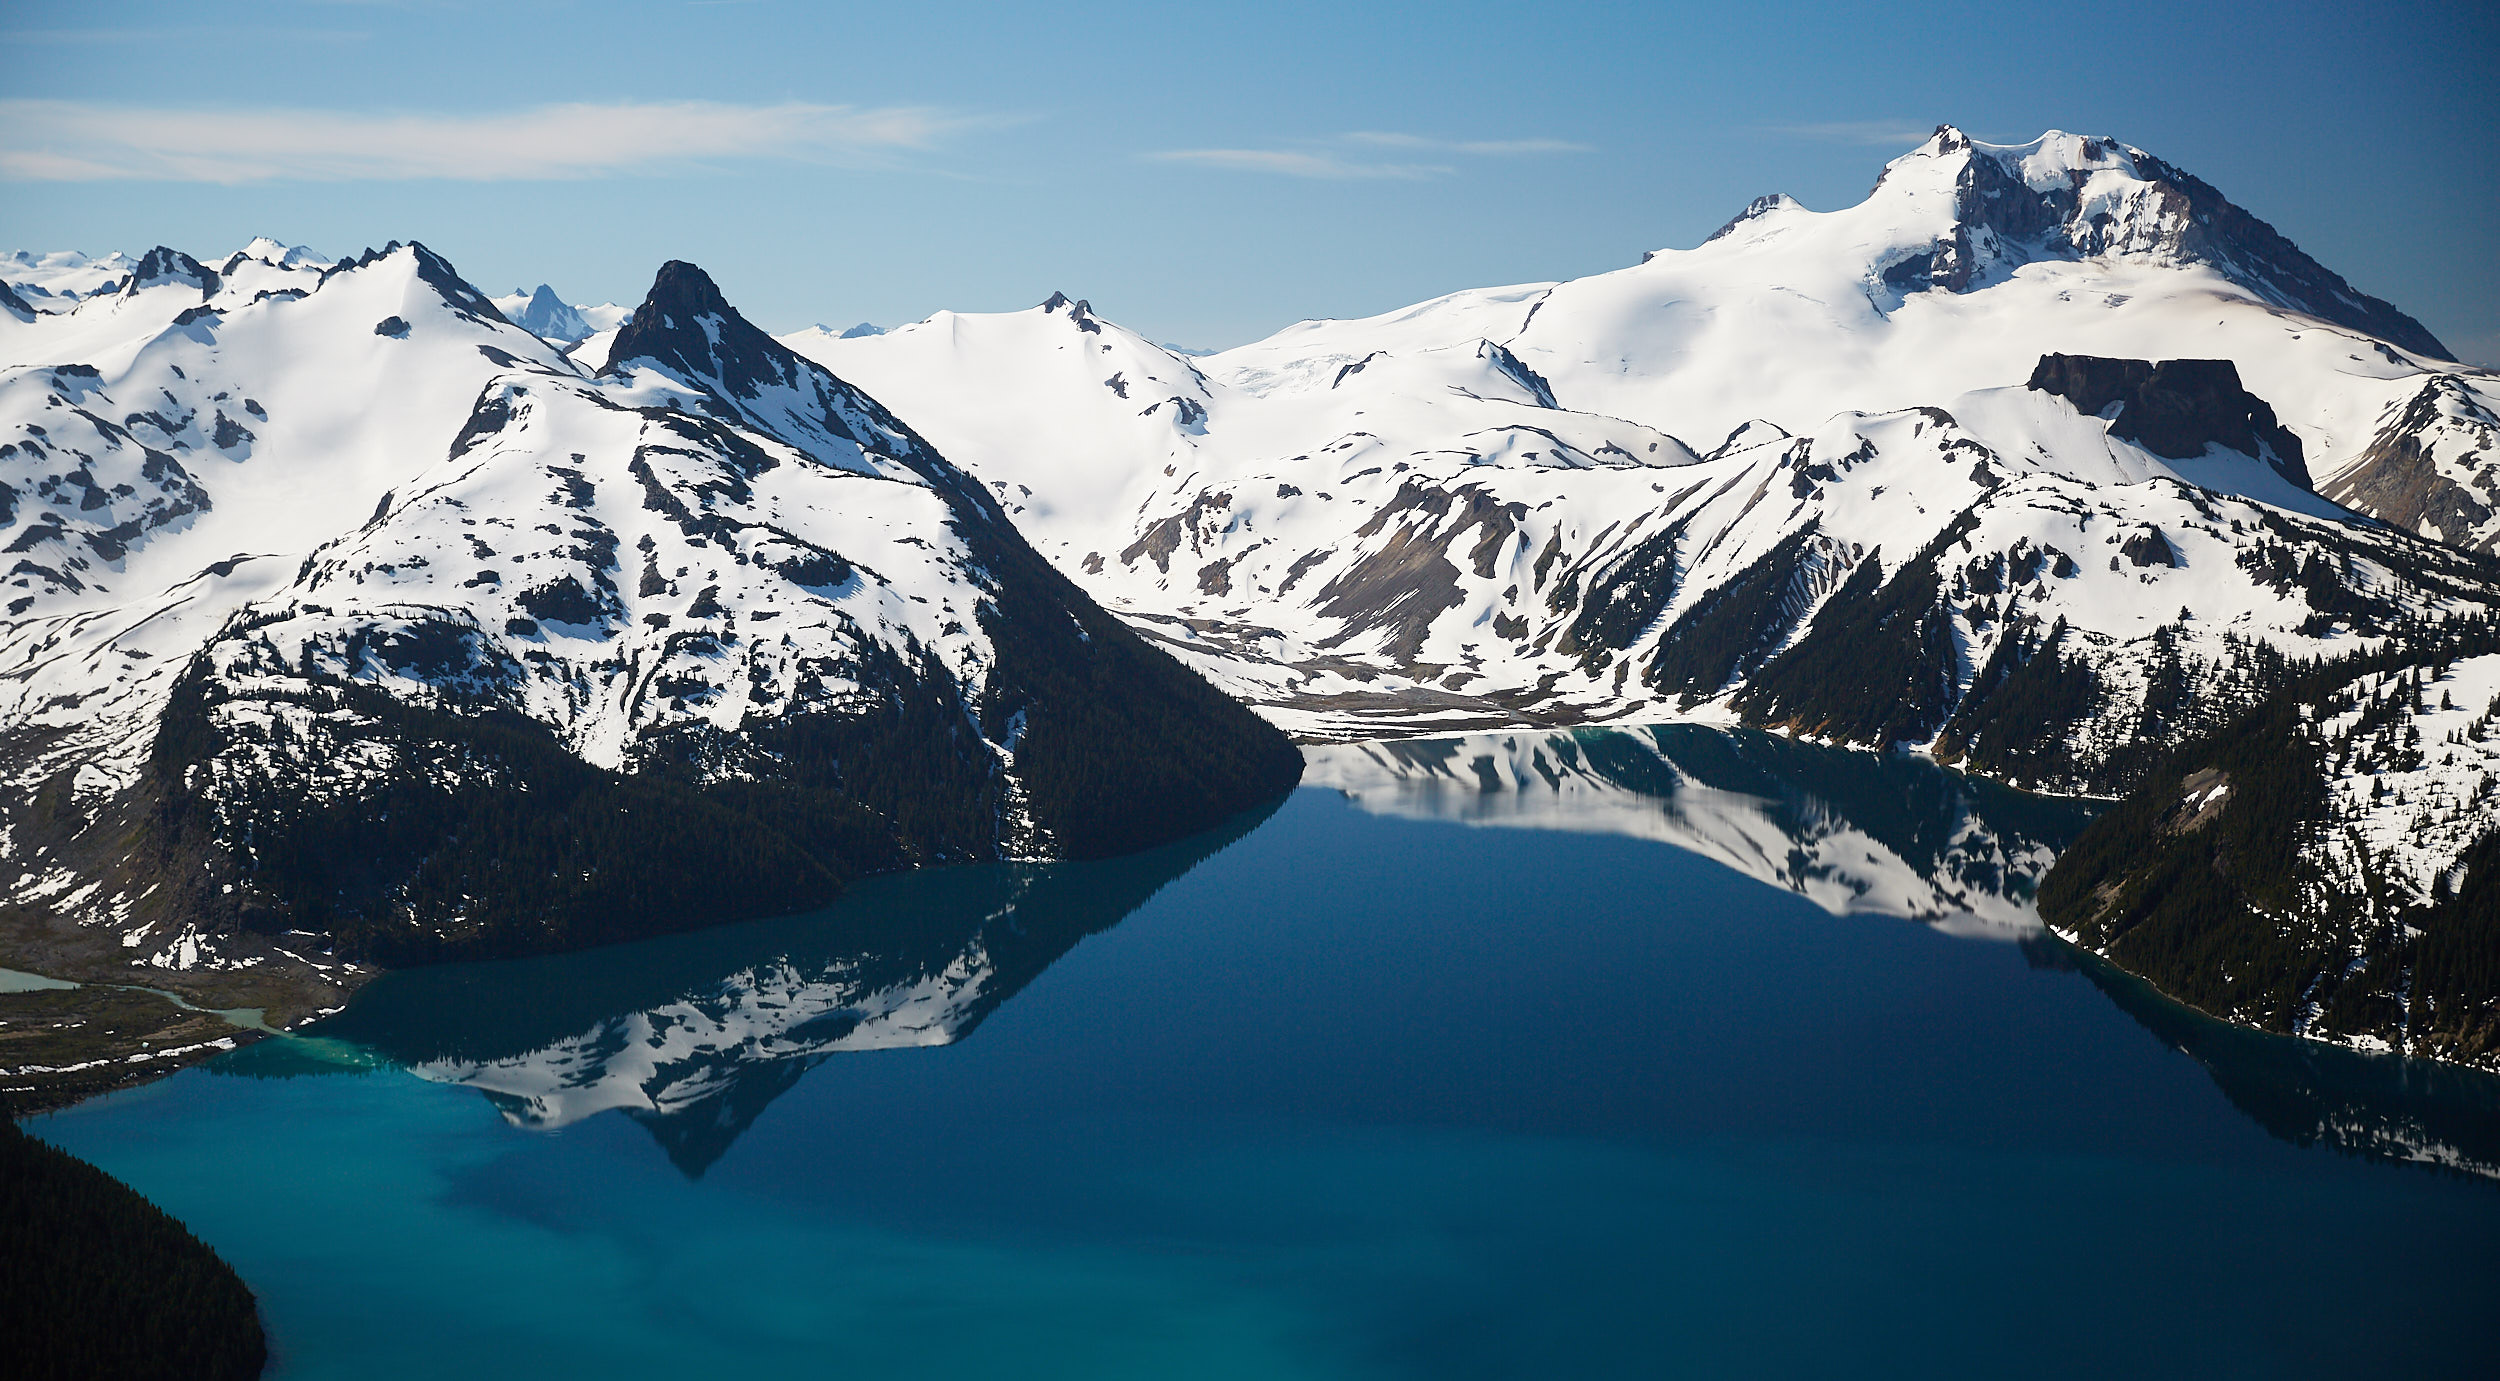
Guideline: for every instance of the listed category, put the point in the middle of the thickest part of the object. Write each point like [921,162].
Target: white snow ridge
[2045,460]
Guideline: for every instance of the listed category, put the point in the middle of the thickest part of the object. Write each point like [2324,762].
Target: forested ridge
[2208,879]
[95,1281]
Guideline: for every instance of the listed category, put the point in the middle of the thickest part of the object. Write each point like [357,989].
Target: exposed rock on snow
[421,640]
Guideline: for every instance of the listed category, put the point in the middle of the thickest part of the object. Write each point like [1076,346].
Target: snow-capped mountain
[543,314]
[59,280]
[334,594]
[2035,458]
[1478,511]
[1854,833]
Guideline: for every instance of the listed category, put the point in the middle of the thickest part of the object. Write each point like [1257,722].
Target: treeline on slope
[1728,632]
[475,832]
[1878,665]
[2221,908]
[95,1281]
[1123,747]
[478,833]
[1881,662]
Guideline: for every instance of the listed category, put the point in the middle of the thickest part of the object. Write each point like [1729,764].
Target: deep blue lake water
[1608,1054]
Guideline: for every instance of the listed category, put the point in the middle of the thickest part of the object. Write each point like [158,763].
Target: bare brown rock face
[2433,469]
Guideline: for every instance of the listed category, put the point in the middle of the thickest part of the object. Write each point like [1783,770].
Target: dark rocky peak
[2442,395]
[2174,408]
[2211,230]
[161,265]
[434,271]
[687,329]
[1080,312]
[1754,210]
[15,305]
[2421,471]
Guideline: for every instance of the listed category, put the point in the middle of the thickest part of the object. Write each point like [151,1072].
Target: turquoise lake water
[1605,1054]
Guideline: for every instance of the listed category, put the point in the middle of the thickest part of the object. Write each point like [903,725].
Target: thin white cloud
[1484,148]
[53,141]
[1885,133]
[1336,159]
[1300,163]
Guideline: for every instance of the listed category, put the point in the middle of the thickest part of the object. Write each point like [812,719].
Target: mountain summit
[385,626]
[2082,196]
[2017,470]
[550,316]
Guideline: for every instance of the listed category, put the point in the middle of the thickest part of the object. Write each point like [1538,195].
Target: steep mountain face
[2176,409]
[2433,468]
[389,633]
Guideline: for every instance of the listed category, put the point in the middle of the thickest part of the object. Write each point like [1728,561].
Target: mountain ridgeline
[2047,479]
[706,635]
[1057,732]
[344,605]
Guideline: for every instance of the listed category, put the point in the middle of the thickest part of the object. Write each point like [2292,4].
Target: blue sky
[1204,173]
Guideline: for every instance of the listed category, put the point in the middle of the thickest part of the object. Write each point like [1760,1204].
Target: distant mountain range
[2045,459]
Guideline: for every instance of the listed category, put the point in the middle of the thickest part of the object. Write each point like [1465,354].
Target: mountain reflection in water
[1858,832]
[693,1035]
[1852,832]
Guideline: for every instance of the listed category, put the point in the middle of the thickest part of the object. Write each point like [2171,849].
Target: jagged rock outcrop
[2174,408]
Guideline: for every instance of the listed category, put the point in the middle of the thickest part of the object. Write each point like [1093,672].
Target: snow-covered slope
[2327,867]
[172,450]
[1965,263]
[328,582]
[57,280]
[1476,511]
